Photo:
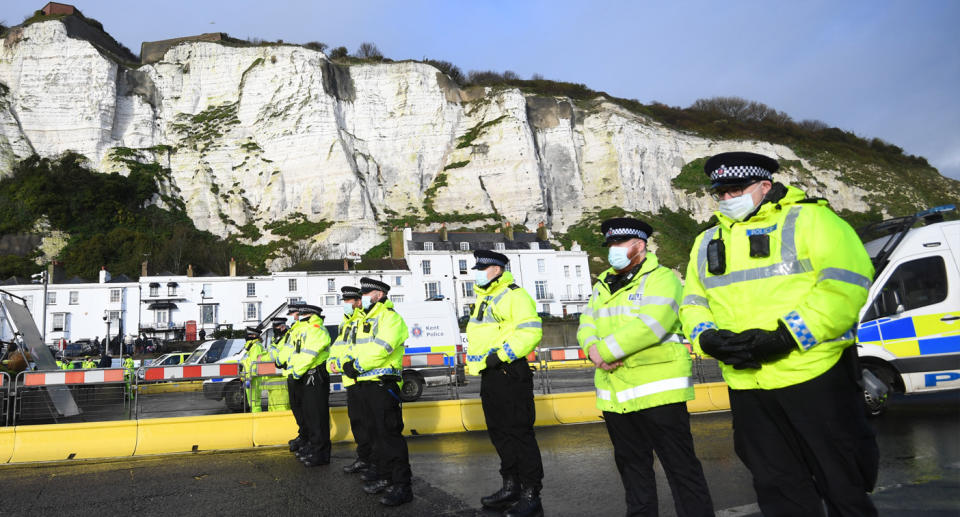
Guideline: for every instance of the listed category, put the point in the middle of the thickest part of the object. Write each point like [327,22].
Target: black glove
[493,361]
[350,371]
[729,347]
[767,346]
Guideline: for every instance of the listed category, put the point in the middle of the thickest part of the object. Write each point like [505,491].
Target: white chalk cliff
[257,134]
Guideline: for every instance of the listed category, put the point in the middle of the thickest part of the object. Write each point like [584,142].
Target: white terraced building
[425,266]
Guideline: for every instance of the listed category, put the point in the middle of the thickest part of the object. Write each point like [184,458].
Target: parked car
[79,348]
[171,359]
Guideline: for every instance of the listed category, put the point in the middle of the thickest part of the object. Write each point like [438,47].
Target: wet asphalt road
[920,475]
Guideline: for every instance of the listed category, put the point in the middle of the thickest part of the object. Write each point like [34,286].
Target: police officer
[773,292]
[283,350]
[341,347]
[127,374]
[276,385]
[253,353]
[376,363]
[630,331]
[504,327]
[311,394]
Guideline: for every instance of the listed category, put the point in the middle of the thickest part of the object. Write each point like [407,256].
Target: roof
[16,280]
[75,280]
[335,265]
[121,278]
[477,240]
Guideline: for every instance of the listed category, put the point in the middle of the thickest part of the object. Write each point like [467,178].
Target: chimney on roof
[346,265]
[104,275]
[233,267]
[143,268]
[190,270]
[443,232]
[397,238]
[541,232]
[55,272]
[508,230]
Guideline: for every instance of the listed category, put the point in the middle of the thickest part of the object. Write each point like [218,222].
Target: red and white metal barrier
[179,373]
[565,354]
[60,377]
[435,359]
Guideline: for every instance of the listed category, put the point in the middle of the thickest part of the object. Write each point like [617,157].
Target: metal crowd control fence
[571,370]
[433,369]
[92,395]
[190,390]
[5,393]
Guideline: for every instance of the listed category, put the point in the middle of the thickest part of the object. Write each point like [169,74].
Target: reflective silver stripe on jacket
[654,325]
[657,300]
[603,394]
[789,263]
[614,347]
[530,324]
[844,275]
[386,346]
[696,299]
[652,388]
[309,352]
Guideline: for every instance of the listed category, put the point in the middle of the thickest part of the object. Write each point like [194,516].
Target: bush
[316,45]
[448,68]
[368,50]
[339,53]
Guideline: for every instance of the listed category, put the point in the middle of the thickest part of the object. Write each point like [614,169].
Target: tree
[368,50]
[339,53]
[448,68]
[316,45]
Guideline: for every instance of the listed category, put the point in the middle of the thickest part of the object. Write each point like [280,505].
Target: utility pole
[42,278]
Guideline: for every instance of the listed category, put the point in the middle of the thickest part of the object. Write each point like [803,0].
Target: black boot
[315,457]
[507,495]
[528,505]
[296,443]
[357,466]
[375,487]
[370,474]
[397,495]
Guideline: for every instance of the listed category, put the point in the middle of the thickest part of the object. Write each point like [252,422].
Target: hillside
[278,151]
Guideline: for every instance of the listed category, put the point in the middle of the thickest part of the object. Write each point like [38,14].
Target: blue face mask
[366,301]
[618,257]
[347,309]
[481,277]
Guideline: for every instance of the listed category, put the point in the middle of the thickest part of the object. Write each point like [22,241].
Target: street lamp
[106,319]
[41,278]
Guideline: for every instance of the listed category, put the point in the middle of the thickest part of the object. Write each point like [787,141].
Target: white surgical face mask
[366,301]
[347,309]
[737,208]
[618,257]
[481,277]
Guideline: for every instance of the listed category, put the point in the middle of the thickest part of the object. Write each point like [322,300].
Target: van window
[913,284]
[216,352]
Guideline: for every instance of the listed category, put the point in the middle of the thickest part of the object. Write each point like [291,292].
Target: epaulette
[812,200]
[513,286]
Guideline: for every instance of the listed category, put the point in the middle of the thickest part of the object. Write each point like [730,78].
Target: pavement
[919,440]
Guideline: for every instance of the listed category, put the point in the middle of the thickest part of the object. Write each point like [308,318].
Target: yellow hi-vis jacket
[814,280]
[378,349]
[312,347]
[639,325]
[284,349]
[343,344]
[253,354]
[504,322]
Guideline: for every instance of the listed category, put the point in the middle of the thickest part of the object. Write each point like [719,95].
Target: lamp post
[42,278]
[106,319]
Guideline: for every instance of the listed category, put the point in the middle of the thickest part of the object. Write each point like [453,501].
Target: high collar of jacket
[379,307]
[779,197]
[650,262]
[506,278]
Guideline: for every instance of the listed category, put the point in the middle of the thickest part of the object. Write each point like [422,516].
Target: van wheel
[234,396]
[874,406]
[412,386]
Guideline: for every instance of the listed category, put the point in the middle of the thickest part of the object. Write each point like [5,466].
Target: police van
[909,331]
[432,347]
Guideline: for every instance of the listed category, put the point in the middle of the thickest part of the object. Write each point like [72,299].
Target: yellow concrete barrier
[170,387]
[471,414]
[432,417]
[545,412]
[6,443]
[720,395]
[340,425]
[574,408]
[51,442]
[194,433]
[273,428]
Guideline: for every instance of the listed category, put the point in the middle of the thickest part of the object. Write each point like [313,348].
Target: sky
[887,69]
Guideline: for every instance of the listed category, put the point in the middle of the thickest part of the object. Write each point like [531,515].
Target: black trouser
[295,392]
[315,409]
[359,426]
[665,430]
[808,442]
[506,394]
[381,409]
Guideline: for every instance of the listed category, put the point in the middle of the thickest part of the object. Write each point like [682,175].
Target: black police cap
[369,284]
[487,258]
[306,309]
[739,168]
[294,307]
[253,330]
[348,292]
[623,229]
[278,321]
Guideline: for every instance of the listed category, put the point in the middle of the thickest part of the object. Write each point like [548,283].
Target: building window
[464,246]
[541,289]
[208,314]
[534,245]
[580,290]
[397,298]
[463,266]
[432,289]
[428,246]
[566,271]
[113,316]
[397,280]
[171,290]
[541,266]
[291,284]
[74,297]
[579,271]
[569,291]
[59,321]
[426,267]
[331,300]
[161,317]
[499,246]
[331,285]
[154,291]
[114,296]
[467,289]
[251,310]
[467,310]
[546,308]
[251,289]
[206,291]
[51,298]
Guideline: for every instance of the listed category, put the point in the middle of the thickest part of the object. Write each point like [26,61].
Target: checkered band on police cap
[369,284]
[624,228]
[253,330]
[487,258]
[626,232]
[739,167]
[310,309]
[348,291]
